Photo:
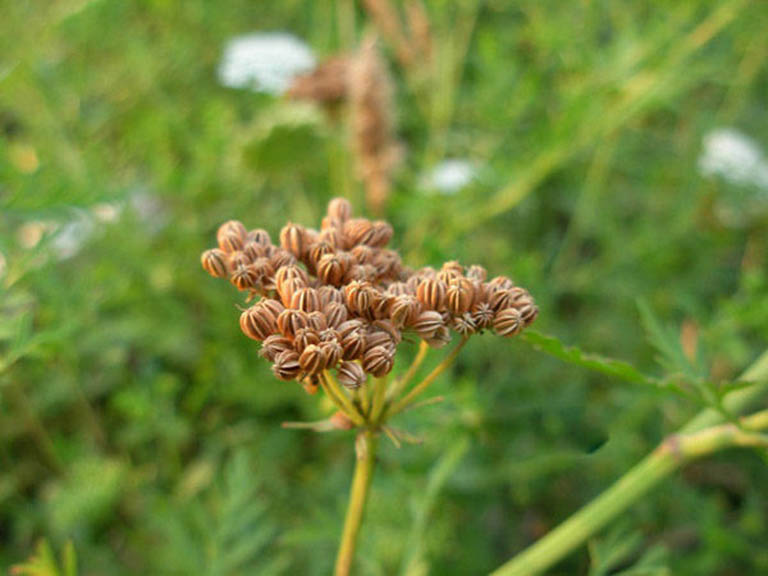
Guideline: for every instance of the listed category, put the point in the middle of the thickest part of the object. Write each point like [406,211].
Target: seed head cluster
[338,299]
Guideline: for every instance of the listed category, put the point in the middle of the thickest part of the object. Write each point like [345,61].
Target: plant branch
[339,398]
[405,379]
[700,437]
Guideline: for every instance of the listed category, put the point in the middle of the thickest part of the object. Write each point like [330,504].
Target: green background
[137,421]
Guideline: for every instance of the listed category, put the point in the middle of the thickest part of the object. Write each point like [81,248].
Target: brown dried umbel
[338,300]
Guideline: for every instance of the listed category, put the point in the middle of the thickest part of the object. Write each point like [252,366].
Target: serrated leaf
[573,355]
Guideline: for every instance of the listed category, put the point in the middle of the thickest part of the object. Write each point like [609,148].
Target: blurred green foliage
[138,422]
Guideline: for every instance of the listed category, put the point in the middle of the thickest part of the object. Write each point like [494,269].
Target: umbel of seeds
[336,298]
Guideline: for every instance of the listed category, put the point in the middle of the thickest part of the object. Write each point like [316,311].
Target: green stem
[339,398]
[361,483]
[379,395]
[696,439]
[402,382]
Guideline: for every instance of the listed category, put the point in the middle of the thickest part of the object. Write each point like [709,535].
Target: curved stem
[361,482]
[339,398]
[424,384]
[698,438]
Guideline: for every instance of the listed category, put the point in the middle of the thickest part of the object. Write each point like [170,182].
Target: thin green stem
[424,384]
[700,437]
[379,396]
[361,483]
[339,398]
[406,378]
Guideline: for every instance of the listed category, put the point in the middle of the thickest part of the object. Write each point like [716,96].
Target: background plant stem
[361,482]
[674,452]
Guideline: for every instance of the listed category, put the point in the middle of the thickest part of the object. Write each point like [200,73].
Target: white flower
[735,157]
[264,62]
[450,176]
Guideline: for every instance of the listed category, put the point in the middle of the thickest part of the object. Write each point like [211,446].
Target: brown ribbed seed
[363,254]
[282,258]
[274,345]
[388,327]
[290,321]
[440,338]
[263,268]
[333,353]
[312,359]
[293,238]
[239,258]
[305,337]
[352,339]
[255,250]
[404,310]
[317,321]
[431,293]
[330,294]
[231,228]
[350,375]
[528,312]
[306,299]
[317,251]
[335,314]
[378,361]
[339,209]
[291,272]
[476,272]
[459,296]
[258,322]
[230,243]
[259,236]
[357,231]
[287,289]
[214,262]
[244,277]
[482,315]
[359,296]
[381,234]
[464,324]
[376,339]
[502,282]
[507,322]
[427,323]
[331,269]
[286,366]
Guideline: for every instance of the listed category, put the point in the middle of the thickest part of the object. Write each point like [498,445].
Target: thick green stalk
[361,483]
[697,438]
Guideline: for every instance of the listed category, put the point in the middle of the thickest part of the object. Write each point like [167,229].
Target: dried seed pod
[464,324]
[378,361]
[482,315]
[333,353]
[310,385]
[519,297]
[282,258]
[507,322]
[453,266]
[274,345]
[317,251]
[476,272]
[357,231]
[353,338]
[335,314]
[214,262]
[404,310]
[230,243]
[254,250]
[376,339]
[431,293]
[317,321]
[502,282]
[398,289]
[381,234]
[257,322]
[339,209]
[263,268]
[363,254]
[293,238]
[330,294]
[306,299]
[239,258]
[331,269]
[427,323]
[312,360]
[231,228]
[259,236]
[459,296]
[388,327]
[287,289]
[387,264]
[291,272]
[286,366]
[359,296]
[528,312]
[290,321]
[499,298]
[304,337]
[245,277]
[330,335]
[440,338]
[351,375]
